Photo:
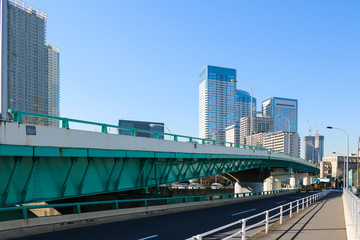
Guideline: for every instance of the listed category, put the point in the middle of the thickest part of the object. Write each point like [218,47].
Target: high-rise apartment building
[217,93]
[280,141]
[53,82]
[286,107]
[221,105]
[29,66]
[260,125]
[314,148]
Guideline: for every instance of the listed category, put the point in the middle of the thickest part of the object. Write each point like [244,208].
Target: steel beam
[35,161]
[107,184]
[64,185]
[17,161]
[81,185]
[117,182]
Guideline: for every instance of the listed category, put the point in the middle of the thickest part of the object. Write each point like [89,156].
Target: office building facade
[286,107]
[260,125]
[221,105]
[280,141]
[314,148]
[149,126]
[232,133]
[27,74]
[243,102]
[217,93]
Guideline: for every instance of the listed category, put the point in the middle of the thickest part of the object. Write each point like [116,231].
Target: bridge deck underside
[48,173]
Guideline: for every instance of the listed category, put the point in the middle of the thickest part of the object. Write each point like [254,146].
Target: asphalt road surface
[172,226]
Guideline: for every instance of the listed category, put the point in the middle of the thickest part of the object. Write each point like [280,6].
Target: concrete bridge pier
[273,182]
[248,180]
[308,180]
[295,179]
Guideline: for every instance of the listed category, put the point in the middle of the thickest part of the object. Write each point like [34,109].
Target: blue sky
[140,59]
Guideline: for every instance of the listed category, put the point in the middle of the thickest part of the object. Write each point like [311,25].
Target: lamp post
[279,116]
[251,108]
[346,171]
[159,125]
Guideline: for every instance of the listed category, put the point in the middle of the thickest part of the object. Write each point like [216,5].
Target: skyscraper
[285,107]
[243,101]
[314,148]
[217,93]
[29,67]
[53,82]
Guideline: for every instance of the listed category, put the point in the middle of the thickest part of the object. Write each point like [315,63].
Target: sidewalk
[323,220]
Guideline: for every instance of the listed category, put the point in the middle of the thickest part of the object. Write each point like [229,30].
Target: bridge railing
[352,203]
[65,123]
[76,208]
[275,213]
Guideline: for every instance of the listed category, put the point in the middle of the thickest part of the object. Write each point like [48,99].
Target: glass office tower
[314,148]
[243,101]
[29,68]
[285,107]
[217,96]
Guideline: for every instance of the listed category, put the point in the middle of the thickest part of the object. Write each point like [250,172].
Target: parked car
[195,186]
[217,186]
[181,186]
[229,186]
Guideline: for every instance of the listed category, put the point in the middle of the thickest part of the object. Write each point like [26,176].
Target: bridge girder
[49,173]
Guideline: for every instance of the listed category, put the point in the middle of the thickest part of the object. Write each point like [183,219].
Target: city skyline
[310,59]
[30,72]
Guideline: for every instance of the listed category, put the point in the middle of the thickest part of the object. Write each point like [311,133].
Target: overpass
[42,163]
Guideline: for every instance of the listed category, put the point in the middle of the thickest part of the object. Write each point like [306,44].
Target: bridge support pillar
[308,180]
[248,180]
[295,179]
[242,187]
[274,181]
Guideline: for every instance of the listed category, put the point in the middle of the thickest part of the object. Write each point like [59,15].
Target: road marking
[243,212]
[280,202]
[153,236]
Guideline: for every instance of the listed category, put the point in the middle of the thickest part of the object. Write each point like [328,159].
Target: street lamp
[346,171]
[251,108]
[159,125]
[279,116]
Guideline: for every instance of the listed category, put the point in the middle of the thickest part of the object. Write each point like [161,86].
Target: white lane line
[153,236]
[243,212]
[280,202]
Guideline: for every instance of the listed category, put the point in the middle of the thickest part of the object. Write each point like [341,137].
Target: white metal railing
[277,212]
[353,204]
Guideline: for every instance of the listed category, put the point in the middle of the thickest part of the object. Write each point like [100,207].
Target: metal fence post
[281,214]
[303,203]
[307,201]
[297,206]
[266,221]
[290,210]
[243,229]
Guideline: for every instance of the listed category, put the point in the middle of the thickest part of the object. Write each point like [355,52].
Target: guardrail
[268,215]
[65,123]
[353,204]
[144,202]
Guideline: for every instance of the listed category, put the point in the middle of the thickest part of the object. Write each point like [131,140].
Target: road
[172,226]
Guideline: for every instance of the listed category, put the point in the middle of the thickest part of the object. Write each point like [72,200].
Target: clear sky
[140,60]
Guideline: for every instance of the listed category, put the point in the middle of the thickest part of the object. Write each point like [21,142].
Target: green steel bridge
[42,163]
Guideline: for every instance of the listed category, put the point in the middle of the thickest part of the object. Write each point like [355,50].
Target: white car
[217,186]
[195,186]
[182,186]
